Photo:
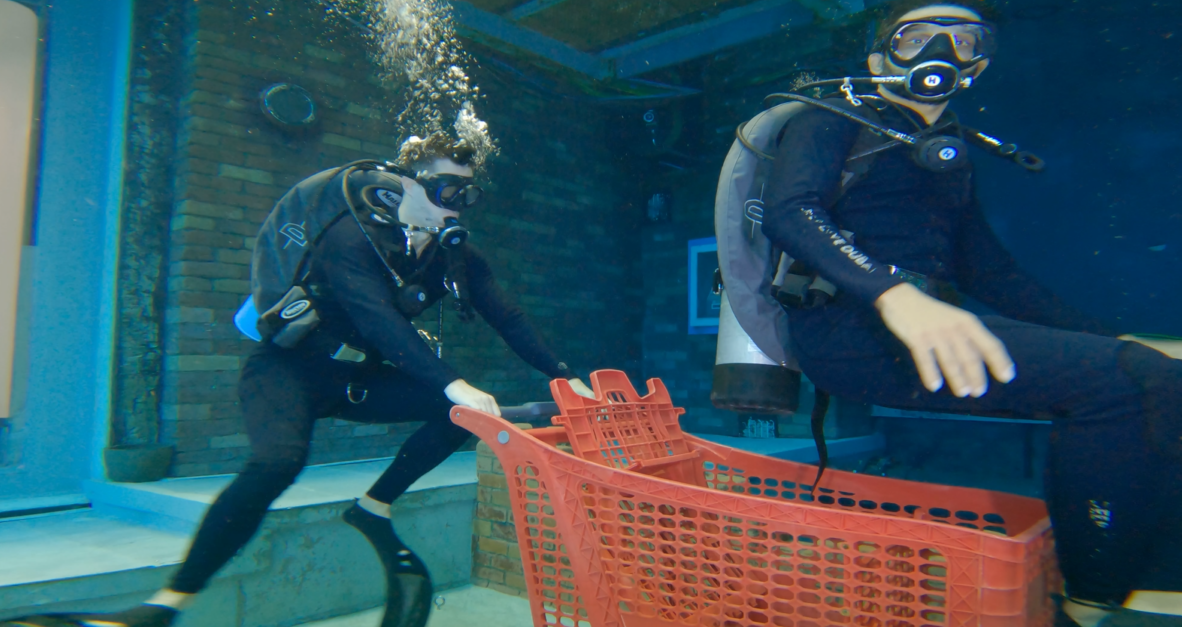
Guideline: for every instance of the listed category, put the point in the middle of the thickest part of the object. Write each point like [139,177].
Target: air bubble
[417,45]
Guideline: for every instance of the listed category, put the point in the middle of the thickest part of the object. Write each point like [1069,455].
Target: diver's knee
[450,432]
[1144,365]
[1158,379]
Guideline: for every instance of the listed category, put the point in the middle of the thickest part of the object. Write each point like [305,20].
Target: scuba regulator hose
[988,143]
[451,236]
[893,134]
[349,169]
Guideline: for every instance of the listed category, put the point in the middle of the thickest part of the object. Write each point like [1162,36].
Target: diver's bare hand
[946,342]
[581,388]
[460,393]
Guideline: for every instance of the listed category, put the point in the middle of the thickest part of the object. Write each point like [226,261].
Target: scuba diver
[343,263]
[871,236]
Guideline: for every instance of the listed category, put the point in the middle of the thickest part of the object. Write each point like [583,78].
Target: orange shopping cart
[641,525]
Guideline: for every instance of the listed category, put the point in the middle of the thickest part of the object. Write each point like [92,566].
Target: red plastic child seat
[626,431]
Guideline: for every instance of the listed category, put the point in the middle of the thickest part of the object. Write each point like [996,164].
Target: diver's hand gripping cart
[645,526]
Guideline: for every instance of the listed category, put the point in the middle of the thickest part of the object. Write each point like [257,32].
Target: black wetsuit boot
[408,585]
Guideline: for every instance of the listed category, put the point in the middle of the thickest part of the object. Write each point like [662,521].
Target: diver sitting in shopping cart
[852,221]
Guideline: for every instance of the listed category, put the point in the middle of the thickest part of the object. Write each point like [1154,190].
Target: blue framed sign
[704,304]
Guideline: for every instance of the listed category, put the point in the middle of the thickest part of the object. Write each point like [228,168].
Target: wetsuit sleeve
[805,179]
[508,320]
[360,285]
[986,271]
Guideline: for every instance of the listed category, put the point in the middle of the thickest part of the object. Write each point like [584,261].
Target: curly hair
[891,12]
[417,152]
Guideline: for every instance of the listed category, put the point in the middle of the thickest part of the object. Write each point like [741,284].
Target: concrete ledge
[31,504]
[179,504]
[304,564]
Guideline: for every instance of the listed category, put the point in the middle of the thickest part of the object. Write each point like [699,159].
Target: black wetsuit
[284,391]
[1116,406]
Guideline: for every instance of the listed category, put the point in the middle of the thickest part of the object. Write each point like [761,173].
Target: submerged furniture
[642,525]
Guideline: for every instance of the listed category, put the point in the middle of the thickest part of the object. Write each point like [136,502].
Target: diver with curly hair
[343,263]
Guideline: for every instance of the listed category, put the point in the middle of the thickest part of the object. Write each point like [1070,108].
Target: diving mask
[937,52]
[957,41]
[450,191]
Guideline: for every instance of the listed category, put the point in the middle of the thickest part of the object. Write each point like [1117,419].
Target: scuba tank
[753,371]
[746,380]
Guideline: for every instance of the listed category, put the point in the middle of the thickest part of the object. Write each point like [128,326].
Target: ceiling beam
[729,28]
[835,9]
[501,29]
[529,8]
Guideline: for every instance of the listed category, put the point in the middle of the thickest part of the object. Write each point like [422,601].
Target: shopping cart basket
[642,525]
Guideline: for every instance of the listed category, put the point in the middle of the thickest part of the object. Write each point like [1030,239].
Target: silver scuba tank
[753,371]
[745,379]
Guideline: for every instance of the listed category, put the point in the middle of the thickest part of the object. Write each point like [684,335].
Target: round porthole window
[288,106]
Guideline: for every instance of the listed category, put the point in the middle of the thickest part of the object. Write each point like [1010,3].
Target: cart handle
[543,408]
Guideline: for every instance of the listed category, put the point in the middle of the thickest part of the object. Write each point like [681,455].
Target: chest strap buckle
[349,354]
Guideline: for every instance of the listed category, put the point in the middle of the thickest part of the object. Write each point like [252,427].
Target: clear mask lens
[971,41]
[453,195]
[453,192]
[472,195]
[448,193]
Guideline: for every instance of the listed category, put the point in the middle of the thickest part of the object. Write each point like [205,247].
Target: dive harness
[932,150]
[794,286]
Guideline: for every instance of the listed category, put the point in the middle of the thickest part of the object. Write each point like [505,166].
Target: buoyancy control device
[754,371]
[282,307]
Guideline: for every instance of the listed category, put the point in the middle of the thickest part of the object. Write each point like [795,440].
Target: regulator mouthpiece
[453,234]
[935,81]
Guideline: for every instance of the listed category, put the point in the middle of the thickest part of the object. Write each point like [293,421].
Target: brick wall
[552,229]
[496,556]
[561,241]
[685,362]
[231,168]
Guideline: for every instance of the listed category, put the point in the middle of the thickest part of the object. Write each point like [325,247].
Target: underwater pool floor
[463,607]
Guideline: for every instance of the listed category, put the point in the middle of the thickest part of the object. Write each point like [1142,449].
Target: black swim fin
[408,584]
[408,593]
